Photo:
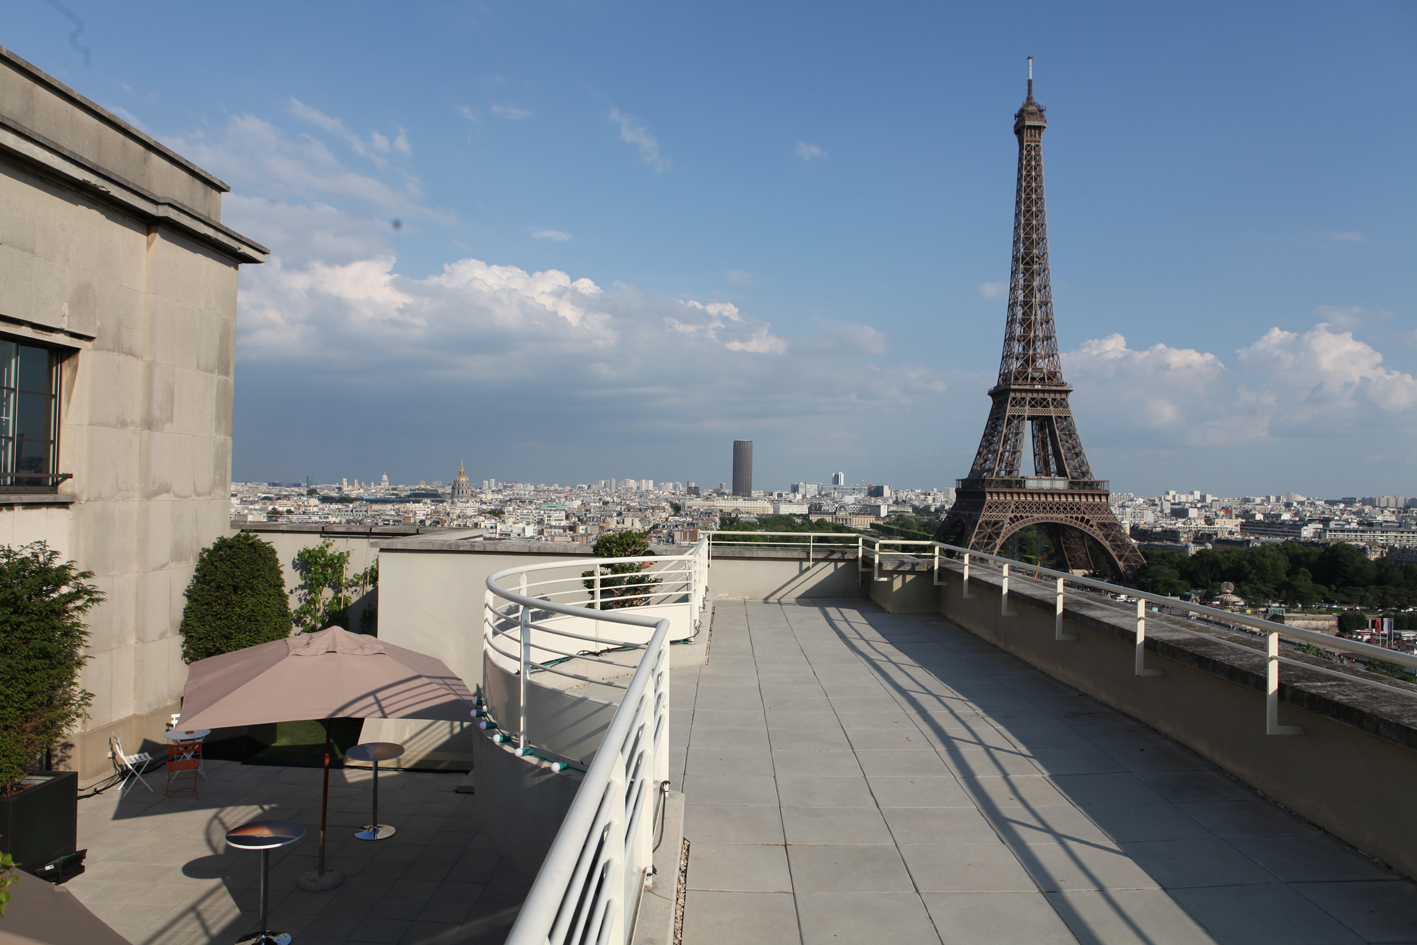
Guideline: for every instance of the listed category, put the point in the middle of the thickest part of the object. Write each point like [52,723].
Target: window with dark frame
[29,417]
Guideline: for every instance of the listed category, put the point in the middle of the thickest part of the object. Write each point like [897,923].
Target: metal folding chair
[184,763]
[131,766]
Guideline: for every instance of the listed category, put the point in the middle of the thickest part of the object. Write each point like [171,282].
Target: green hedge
[236,599]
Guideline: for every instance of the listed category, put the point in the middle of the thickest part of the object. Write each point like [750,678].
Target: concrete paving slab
[844,868]
[997,917]
[725,918]
[738,867]
[878,918]
[1269,913]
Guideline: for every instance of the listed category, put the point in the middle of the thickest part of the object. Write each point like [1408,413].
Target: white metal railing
[589,885]
[879,549]
[813,541]
[1271,631]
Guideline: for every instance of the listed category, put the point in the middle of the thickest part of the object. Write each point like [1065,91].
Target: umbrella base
[375,832]
[315,881]
[265,938]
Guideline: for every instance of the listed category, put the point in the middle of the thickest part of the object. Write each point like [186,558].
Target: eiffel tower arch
[997,498]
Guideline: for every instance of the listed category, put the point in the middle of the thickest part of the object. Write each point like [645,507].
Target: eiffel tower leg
[1128,559]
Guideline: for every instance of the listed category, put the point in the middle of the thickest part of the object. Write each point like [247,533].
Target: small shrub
[621,585]
[43,600]
[1318,651]
[236,598]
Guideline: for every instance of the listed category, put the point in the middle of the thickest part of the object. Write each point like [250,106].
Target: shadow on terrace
[159,871]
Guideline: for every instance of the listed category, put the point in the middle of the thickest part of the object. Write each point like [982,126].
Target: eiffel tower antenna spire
[998,498]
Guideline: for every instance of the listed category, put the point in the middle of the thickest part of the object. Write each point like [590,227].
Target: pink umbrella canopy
[328,674]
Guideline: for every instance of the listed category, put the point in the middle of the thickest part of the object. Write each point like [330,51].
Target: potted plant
[43,600]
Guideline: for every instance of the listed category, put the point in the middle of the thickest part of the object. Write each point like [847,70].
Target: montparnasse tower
[462,487]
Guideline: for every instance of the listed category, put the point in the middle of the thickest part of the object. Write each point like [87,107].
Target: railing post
[1058,633]
[526,662]
[811,536]
[935,574]
[964,590]
[1271,693]
[1004,597]
[1141,641]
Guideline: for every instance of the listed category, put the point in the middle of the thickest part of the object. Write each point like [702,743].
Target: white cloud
[809,151]
[1324,374]
[259,158]
[737,277]
[510,111]
[650,361]
[375,149]
[993,290]
[550,235]
[466,112]
[636,132]
[1320,383]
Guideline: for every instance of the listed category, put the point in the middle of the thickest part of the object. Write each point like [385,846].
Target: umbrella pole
[318,880]
[325,798]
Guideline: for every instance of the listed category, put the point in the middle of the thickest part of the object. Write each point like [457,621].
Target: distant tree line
[1299,575]
[779,523]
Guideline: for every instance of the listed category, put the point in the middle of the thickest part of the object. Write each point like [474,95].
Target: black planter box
[41,823]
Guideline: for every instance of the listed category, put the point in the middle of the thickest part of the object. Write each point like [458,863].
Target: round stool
[265,835]
[375,752]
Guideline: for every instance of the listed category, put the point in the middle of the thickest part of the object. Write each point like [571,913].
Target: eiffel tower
[997,499]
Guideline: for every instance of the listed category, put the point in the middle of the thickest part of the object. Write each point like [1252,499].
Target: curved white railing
[589,885]
[877,549]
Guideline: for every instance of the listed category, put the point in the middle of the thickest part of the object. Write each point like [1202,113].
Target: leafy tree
[1351,622]
[43,600]
[621,585]
[1345,565]
[236,598]
[321,594]
[1162,574]
[310,492]
[327,589]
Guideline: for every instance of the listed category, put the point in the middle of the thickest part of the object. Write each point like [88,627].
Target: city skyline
[510,244]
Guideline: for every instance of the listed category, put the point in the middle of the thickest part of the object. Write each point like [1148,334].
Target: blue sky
[631,233]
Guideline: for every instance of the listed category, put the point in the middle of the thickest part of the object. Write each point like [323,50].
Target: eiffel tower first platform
[997,498]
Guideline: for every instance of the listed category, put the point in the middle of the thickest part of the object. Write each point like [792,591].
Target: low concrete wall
[782,574]
[1358,742]
[520,802]
[1319,623]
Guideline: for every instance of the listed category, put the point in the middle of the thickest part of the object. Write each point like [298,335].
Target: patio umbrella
[44,914]
[329,674]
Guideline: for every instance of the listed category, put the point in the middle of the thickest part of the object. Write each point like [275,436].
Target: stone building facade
[117,291]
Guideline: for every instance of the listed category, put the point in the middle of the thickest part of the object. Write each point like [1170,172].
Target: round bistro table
[375,752]
[265,835]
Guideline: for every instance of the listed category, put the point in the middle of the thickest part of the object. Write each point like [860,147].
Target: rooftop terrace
[850,775]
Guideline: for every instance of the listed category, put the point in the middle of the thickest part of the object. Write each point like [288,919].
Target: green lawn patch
[302,744]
